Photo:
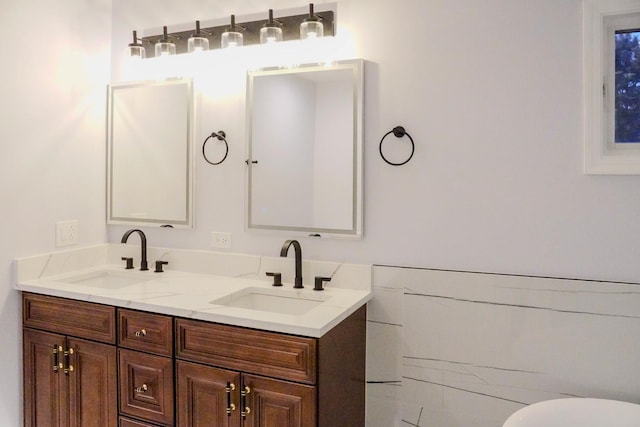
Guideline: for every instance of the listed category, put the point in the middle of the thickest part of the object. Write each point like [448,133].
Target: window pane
[627,76]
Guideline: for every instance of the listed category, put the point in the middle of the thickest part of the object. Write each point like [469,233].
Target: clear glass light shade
[311,30]
[165,49]
[270,35]
[197,44]
[136,51]
[231,39]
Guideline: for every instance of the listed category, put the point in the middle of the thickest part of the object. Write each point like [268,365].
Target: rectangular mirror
[305,149]
[150,153]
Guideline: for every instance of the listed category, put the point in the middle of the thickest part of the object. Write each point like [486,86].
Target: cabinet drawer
[146,386]
[70,317]
[265,353]
[125,422]
[148,332]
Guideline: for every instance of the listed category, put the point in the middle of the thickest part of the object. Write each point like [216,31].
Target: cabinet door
[275,403]
[146,386]
[45,400]
[202,396]
[93,392]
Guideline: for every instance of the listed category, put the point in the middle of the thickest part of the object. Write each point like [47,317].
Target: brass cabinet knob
[141,333]
[142,389]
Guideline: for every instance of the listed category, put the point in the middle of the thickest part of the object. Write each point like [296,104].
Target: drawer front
[70,317]
[125,422]
[146,386]
[148,332]
[258,352]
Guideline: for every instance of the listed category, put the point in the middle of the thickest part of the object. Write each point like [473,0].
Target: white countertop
[190,295]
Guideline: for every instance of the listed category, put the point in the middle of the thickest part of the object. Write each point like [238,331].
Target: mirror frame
[357,68]
[188,220]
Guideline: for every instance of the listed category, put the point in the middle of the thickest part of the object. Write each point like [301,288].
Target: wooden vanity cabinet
[238,377]
[70,374]
[145,363]
[169,371]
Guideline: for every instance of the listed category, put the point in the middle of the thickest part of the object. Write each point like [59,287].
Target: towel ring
[221,137]
[398,132]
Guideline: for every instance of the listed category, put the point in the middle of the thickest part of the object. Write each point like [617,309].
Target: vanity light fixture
[312,26]
[271,31]
[305,25]
[232,37]
[198,42]
[135,49]
[164,46]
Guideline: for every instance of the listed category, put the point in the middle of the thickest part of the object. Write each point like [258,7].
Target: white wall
[52,146]
[490,92]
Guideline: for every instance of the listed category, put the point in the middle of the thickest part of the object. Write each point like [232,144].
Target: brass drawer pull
[141,333]
[68,366]
[243,401]
[56,360]
[230,406]
[142,389]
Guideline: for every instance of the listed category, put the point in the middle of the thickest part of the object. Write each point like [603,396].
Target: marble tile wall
[456,349]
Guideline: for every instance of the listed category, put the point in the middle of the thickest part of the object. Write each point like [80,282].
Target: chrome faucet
[143,245]
[298,254]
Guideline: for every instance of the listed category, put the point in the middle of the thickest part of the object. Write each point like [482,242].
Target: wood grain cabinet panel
[146,386]
[258,352]
[148,332]
[81,392]
[80,319]
[93,384]
[278,403]
[126,422]
[206,396]
[45,399]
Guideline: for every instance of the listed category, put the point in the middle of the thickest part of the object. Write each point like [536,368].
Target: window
[612,86]
[626,87]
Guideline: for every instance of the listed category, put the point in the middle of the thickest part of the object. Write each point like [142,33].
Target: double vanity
[118,335]
[207,341]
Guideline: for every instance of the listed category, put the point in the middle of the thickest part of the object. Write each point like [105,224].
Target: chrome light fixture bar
[290,26]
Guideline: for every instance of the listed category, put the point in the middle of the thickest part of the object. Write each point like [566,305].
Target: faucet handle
[129,261]
[159,265]
[317,286]
[277,278]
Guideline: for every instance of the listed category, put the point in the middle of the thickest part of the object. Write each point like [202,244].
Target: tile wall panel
[475,347]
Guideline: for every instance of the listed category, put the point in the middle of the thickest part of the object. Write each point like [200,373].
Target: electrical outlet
[221,240]
[66,233]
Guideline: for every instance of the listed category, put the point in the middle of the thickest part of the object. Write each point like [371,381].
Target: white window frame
[602,156]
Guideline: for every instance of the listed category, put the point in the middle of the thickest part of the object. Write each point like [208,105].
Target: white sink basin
[577,412]
[271,300]
[107,279]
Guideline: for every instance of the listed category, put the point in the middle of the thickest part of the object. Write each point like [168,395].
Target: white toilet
[577,412]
